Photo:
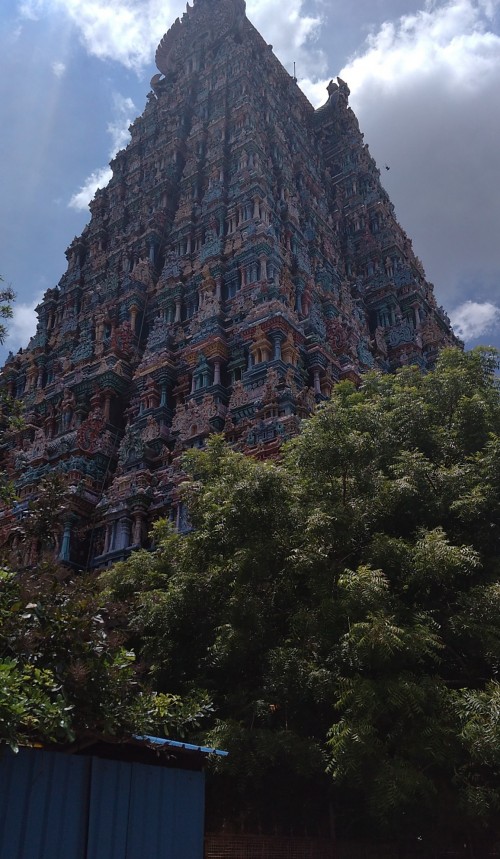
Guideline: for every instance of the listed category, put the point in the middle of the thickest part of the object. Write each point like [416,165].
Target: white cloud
[123,30]
[58,68]
[98,179]
[424,86]
[292,33]
[29,10]
[450,39]
[425,89]
[124,110]
[315,90]
[128,31]
[22,326]
[473,319]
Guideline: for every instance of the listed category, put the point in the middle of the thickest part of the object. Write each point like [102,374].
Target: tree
[9,410]
[7,296]
[400,486]
[341,607]
[65,671]
[42,521]
[206,610]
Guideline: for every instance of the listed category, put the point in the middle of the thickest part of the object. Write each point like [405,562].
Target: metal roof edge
[177,744]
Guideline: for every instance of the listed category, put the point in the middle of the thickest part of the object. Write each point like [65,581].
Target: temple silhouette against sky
[243,259]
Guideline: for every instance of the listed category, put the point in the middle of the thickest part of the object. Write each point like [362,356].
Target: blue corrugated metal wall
[57,806]
[109,810]
[43,805]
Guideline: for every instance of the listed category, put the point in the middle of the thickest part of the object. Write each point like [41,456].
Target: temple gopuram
[242,260]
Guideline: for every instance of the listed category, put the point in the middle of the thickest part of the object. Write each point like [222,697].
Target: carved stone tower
[243,259]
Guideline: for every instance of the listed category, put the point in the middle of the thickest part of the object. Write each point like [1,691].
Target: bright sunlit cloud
[452,39]
[473,319]
[121,30]
[22,326]
[124,111]
[97,179]
[128,31]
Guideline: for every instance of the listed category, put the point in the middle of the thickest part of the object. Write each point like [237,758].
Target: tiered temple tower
[243,259]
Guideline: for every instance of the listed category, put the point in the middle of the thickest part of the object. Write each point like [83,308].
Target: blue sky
[425,84]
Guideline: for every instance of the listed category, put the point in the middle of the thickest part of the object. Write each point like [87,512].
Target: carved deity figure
[67,409]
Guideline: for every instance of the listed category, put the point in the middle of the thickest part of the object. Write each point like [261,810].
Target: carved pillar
[277,347]
[218,287]
[137,530]
[178,305]
[263,267]
[133,316]
[65,549]
[112,535]
[107,539]
[317,382]
[107,404]
[31,378]
[217,372]
[124,533]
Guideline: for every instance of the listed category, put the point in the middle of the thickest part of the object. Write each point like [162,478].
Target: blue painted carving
[403,332]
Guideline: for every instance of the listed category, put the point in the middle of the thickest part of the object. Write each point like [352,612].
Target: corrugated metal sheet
[43,805]
[174,797]
[59,806]
[142,811]
[109,809]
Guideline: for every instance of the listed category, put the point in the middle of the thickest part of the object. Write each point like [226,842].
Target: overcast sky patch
[425,89]
[58,68]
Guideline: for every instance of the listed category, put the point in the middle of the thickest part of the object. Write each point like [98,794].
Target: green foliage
[341,607]
[31,704]
[44,517]
[7,296]
[66,672]
[10,410]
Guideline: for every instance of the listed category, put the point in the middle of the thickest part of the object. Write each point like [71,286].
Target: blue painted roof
[176,744]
